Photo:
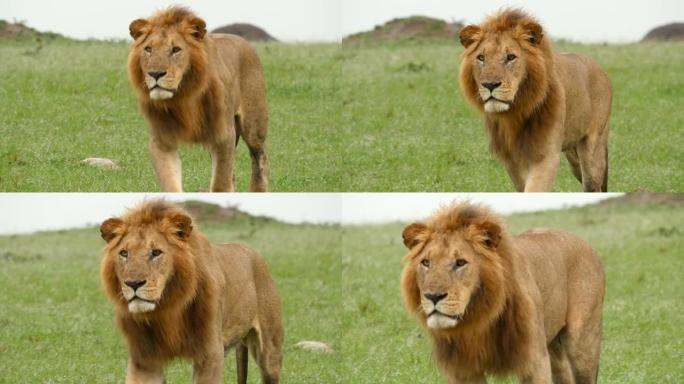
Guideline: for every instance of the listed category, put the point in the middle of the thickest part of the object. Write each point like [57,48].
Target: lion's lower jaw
[437,321]
[139,306]
[494,106]
[160,94]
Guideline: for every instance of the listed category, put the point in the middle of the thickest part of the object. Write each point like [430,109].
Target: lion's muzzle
[440,313]
[156,82]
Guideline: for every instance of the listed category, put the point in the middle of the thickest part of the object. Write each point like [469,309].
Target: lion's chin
[160,94]
[141,306]
[439,321]
[494,106]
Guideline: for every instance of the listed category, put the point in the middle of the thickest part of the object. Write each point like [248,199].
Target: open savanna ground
[71,100]
[408,128]
[352,117]
[56,326]
[641,248]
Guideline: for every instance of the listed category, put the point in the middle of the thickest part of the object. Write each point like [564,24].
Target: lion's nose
[491,86]
[435,297]
[135,284]
[156,75]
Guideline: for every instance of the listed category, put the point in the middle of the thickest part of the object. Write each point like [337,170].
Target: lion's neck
[495,348]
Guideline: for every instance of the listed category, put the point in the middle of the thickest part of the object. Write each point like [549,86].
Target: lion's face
[143,265]
[498,61]
[146,263]
[498,67]
[447,277]
[452,274]
[164,54]
[164,60]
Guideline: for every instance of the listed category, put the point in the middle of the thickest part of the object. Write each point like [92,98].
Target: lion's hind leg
[573,159]
[241,359]
[582,341]
[560,362]
[266,349]
[593,156]
[252,129]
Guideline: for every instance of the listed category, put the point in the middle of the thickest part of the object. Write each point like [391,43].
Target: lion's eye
[175,49]
[156,252]
[460,263]
[425,263]
[511,57]
[148,49]
[123,253]
[480,58]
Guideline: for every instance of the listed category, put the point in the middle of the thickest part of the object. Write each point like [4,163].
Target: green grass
[71,100]
[364,117]
[56,326]
[413,131]
[641,248]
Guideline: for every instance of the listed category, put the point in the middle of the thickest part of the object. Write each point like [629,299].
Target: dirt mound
[414,27]
[247,31]
[18,30]
[667,32]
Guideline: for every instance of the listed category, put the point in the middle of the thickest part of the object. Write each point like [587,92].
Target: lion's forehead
[143,237]
[447,245]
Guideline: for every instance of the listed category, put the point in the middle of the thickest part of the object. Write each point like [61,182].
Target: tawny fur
[529,305]
[215,94]
[207,298]
[555,102]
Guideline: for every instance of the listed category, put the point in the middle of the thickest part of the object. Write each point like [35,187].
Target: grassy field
[413,131]
[343,118]
[57,327]
[71,100]
[641,248]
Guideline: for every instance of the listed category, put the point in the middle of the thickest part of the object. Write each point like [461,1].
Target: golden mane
[488,336]
[539,96]
[185,290]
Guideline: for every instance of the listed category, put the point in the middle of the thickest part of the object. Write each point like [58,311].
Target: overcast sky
[29,212]
[330,20]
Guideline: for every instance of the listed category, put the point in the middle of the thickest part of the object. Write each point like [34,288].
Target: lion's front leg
[141,373]
[542,174]
[167,165]
[223,162]
[209,369]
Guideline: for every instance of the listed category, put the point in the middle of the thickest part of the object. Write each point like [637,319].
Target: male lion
[177,295]
[194,87]
[493,303]
[537,104]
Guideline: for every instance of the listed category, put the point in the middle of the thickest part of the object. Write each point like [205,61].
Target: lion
[195,87]
[536,103]
[177,295]
[493,303]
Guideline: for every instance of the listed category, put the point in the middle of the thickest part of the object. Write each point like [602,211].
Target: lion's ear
[181,225]
[198,27]
[469,34]
[411,233]
[491,234]
[111,229]
[532,32]
[138,28]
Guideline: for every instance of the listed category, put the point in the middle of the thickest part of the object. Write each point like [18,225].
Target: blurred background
[332,20]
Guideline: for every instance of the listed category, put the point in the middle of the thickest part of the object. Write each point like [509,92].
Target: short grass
[57,327]
[641,248]
[71,100]
[365,117]
[411,130]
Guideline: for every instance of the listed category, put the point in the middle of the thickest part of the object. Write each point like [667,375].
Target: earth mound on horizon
[407,28]
[248,32]
[667,32]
